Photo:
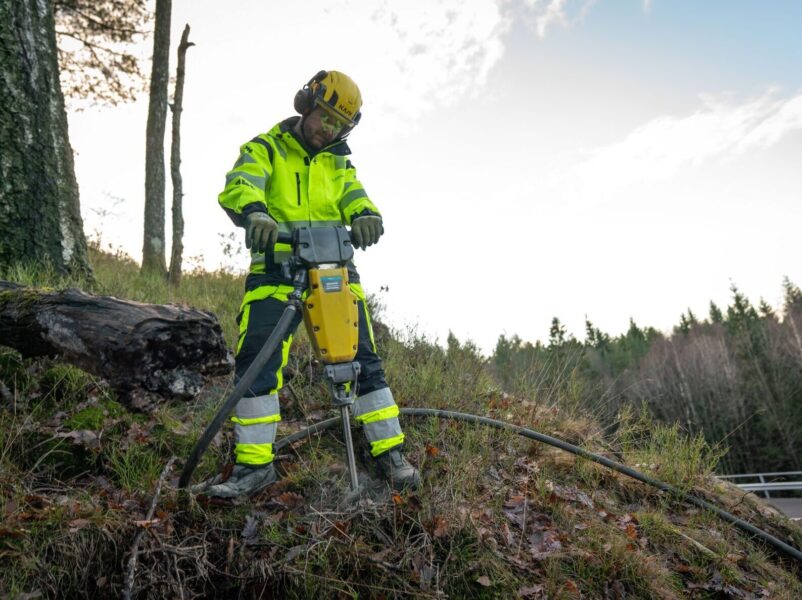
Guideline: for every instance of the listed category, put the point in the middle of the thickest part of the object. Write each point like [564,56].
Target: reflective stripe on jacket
[277,174]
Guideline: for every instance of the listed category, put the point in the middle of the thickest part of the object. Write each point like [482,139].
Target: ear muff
[305,97]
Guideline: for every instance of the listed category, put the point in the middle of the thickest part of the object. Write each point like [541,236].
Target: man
[299,175]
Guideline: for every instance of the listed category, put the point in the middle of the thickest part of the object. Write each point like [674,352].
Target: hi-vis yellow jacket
[277,174]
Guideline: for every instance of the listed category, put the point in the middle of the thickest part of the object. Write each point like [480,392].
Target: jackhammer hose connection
[576,450]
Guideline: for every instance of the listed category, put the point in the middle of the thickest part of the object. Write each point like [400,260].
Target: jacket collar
[287,128]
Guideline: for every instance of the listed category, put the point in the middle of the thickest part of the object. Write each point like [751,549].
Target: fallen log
[146,352]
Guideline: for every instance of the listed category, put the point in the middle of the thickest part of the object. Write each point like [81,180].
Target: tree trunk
[40,216]
[175,162]
[146,352]
[153,245]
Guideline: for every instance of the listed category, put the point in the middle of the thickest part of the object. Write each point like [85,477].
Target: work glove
[366,230]
[261,232]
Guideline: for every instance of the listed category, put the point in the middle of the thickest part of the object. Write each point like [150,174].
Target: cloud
[660,149]
[548,13]
[431,55]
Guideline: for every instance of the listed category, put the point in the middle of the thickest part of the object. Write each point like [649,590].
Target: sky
[605,160]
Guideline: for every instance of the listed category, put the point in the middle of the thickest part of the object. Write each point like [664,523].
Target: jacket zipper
[298,186]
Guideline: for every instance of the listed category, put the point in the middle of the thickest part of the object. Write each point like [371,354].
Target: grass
[497,516]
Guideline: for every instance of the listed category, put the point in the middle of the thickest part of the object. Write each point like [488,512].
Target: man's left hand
[366,230]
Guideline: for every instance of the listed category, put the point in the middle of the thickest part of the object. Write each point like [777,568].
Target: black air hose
[540,437]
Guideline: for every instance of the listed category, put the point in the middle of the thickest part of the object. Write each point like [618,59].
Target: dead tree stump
[146,352]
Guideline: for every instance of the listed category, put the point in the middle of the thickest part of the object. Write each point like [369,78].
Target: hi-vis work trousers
[257,414]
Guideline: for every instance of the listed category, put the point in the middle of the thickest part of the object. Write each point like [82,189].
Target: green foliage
[793,296]
[715,314]
[12,369]
[63,384]
[134,467]
[422,373]
[732,378]
[675,457]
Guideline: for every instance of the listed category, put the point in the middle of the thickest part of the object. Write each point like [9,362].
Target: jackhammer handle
[289,238]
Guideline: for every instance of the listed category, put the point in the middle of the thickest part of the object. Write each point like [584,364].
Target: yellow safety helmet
[336,93]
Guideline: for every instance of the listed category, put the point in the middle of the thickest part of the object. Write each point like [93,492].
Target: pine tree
[766,311]
[793,295]
[716,316]
[557,333]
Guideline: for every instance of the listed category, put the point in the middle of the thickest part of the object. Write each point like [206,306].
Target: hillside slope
[498,516]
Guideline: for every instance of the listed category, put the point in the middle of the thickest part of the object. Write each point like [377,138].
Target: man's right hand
[261,232]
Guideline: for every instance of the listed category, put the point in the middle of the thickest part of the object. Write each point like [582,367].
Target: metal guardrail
[767,482]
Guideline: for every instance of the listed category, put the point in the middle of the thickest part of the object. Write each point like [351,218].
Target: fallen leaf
[506,535]
[36,501]
[290,499]
[571,586]
[10,507]
[146,523]
[426,573]
[515,501]
[57,419]
[570,494]
[294,553]
[339,529]
[543,543]
[616,591]
[380,555]
[77,524]
[439,527]
[530,591]
[524,464]
[484,581]
[250,529]
[432,450]
[631,531]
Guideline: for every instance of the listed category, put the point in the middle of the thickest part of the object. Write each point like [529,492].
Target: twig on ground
[129,576]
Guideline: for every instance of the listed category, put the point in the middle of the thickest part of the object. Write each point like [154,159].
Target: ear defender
[305,97]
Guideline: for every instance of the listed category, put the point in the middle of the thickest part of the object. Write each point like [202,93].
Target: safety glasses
[331,122]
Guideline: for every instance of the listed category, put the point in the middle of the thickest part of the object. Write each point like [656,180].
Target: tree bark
[40,216]
[153,245]
[175,162]
[146,352]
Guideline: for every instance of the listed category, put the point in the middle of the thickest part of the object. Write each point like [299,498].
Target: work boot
[245,480]
[397,471]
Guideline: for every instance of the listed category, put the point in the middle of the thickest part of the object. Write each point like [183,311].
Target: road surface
[790,506]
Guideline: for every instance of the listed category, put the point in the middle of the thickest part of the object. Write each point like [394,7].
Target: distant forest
[734,376]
